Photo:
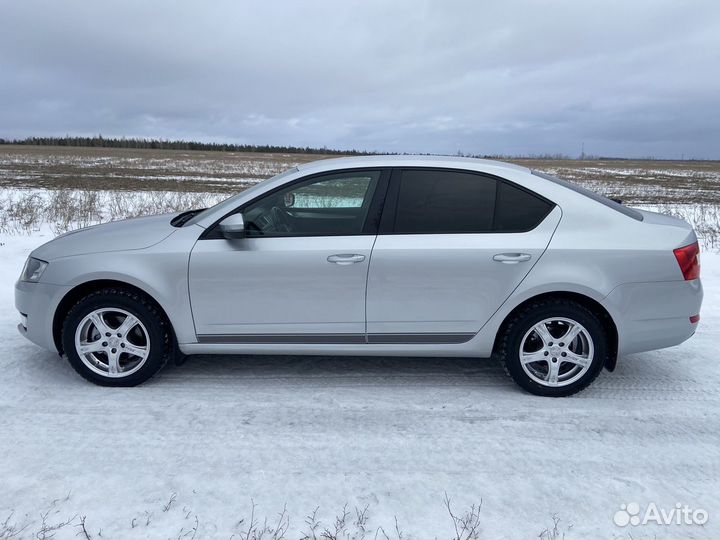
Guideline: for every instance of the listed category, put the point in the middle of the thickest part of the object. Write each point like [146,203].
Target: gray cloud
[626,78]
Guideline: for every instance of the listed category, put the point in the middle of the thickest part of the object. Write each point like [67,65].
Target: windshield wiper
[182,219]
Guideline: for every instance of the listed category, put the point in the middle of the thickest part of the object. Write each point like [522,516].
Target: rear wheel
[116,337]
[554,347]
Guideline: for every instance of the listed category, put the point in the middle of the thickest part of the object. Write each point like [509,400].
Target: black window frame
[372,219]
[387,222]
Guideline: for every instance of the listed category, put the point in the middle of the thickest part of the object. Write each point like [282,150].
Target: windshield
[230,203]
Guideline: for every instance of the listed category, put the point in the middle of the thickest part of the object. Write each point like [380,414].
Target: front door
[300,274]
[452,248]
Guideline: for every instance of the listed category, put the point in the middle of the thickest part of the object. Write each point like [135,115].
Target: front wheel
[116,337]
[554,347]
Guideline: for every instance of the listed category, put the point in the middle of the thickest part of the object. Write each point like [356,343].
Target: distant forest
[160,144]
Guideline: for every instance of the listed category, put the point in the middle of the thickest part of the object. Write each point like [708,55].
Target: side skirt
[332,339]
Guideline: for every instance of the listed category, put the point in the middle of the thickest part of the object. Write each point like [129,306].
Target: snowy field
[214,448]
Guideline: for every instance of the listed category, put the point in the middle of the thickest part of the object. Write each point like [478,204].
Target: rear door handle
[346,258]
[512,258]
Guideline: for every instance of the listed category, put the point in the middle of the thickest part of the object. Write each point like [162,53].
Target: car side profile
[380,255]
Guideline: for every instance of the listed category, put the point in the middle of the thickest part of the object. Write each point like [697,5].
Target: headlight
[33,269]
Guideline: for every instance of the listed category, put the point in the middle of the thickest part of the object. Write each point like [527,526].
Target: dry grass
[183,522]
[25,212]
[119,169]
[640,182]
[69,188]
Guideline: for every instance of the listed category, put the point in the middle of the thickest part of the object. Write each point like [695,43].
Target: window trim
[370,227]
[387,223]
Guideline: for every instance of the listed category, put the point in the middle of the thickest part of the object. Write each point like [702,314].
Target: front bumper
[654,315]
[37,303]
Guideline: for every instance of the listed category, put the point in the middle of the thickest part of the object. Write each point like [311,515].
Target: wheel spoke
[113,362]
[142,352]
[528,358]
[552,374]
[571,334]
[576,359]
[128,324]
[542,331]
[99,323]
[86,347]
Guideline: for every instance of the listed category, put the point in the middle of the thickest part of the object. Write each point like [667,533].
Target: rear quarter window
[517,210]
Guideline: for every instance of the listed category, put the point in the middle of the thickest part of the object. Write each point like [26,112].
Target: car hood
[136,233]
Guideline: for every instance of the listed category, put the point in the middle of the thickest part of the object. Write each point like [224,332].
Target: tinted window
[433,201]
[444,202]
[517,209]
[335,204]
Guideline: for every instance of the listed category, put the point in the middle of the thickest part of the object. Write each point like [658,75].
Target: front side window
[334,204]
[441,202]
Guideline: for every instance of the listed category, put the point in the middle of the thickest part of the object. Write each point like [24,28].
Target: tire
[116,355]
[545,365]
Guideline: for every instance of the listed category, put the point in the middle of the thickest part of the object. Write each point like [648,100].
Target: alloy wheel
[112,342]
[556,351]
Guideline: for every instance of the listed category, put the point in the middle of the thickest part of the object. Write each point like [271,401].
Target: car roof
[447,162]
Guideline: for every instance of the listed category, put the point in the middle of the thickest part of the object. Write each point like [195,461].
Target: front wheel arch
[585,301]
[82,290]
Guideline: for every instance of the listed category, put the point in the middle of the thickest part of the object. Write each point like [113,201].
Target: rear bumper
[654,315]
[36,303]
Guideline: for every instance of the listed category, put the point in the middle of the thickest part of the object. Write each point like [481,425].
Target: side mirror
[233,227]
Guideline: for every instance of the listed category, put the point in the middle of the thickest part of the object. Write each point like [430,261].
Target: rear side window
[437,202]
[444,202]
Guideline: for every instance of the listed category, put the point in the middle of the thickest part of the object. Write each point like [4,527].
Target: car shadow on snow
[653,372]
[657,371]
[323,367]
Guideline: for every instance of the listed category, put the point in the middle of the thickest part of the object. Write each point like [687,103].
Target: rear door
[452,247]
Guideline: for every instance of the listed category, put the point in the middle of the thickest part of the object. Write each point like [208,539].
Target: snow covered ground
[188,454]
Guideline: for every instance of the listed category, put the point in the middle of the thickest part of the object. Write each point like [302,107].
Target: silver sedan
[382,255]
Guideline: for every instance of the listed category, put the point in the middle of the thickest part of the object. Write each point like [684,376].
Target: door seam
[367,280]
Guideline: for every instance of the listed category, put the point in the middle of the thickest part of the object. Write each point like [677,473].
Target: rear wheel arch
[80,291]
[591,304]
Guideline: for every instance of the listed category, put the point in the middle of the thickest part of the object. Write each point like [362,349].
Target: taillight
[688,258]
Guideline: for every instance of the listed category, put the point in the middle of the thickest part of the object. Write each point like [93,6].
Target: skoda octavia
[405,255]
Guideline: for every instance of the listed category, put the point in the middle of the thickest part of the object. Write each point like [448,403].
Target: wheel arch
[584,300]
[83,289]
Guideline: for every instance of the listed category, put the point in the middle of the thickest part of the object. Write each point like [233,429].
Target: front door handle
[345,258]
[512,258]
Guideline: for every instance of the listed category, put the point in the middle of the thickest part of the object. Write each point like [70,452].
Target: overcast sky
[627,78]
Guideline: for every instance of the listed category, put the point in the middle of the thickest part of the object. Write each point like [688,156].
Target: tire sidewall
[157,334]
[526,321]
